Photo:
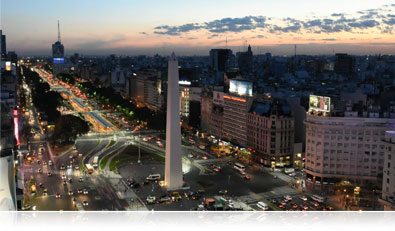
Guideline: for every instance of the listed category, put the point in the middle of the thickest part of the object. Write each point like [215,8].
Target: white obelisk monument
[173,168]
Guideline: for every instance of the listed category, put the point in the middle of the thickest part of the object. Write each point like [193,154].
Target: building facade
[345,148]
[235,118]
[271,133]
[388,190]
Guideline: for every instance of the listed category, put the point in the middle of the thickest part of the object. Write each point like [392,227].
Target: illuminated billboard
[8,66]
[320,103]
[58,60]
[240,87]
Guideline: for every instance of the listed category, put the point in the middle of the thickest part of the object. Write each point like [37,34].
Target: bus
[318,198]
[90,168]
[239,167]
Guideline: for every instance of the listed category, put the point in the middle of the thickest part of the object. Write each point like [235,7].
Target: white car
[151,199]
[50,162]
[303,198]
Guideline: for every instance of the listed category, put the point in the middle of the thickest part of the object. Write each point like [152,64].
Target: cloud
[216,26]
[378,18]
[364,24]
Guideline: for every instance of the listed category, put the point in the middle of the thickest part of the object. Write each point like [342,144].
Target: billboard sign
[242,88]
[58,60]
[8,66]
[320,103]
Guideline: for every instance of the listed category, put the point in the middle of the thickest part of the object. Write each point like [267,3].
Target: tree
[67,127]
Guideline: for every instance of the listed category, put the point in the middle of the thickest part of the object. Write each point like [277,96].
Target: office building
[388,189]
[344,143]
[271,132]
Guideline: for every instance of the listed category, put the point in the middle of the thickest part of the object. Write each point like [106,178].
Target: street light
[138,161]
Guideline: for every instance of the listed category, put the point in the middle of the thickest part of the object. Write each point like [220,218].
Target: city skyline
[338,26]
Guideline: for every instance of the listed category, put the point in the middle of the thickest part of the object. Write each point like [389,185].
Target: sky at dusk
[128,27]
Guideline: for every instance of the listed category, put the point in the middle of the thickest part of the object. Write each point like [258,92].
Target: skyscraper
[59,65]
[3,46]
[173,166]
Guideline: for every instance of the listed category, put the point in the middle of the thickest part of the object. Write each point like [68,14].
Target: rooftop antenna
[58,32]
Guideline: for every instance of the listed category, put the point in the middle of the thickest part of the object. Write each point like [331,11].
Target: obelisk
[173,168]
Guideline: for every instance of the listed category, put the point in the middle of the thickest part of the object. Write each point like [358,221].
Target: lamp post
[138,161]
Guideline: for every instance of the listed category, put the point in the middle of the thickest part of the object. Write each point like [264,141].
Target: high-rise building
[173,162]
[3,46]
[236,106]
[388,190]
[271,132]
[219,59]
[342,144]
[344,65]
[145,87]
[59,65]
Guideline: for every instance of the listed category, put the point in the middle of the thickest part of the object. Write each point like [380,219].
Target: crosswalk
[253,198]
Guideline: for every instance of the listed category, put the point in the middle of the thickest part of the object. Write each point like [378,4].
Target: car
[330,208]
[44,163]
[85,191]
[74,200]
[288,197]
[41,185]
[175,196]
[70,192]
[204,157]
[305,207]
[201,146]
[26,207]
[50,162]
[79,191]
[74,148]
[164,198]
[85,203]
[146,182]
[303,198]
[223,191]
[80,154]
[134,185]
[77,167]
[151,200]
[81,179]
[292,174]
[64,182]
[70,157]
[62,167]
[295,206]
[40,170]
[247,177]
[49,174]
[57,195]
[217,169]
[219,156]
[63,177]
[316,204]
[190,155]
[70,180]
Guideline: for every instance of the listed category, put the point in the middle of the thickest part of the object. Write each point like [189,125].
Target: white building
[388,190]
[118,80]
[345,148]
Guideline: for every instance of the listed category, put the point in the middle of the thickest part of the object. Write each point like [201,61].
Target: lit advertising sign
[58,60]
[240,87]
[8,66]
[320,103]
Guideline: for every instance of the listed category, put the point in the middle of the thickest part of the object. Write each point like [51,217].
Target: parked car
[151,200]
